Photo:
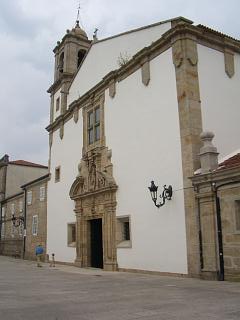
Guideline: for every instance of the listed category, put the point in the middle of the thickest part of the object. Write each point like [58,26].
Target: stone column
[109,240]
[185,59]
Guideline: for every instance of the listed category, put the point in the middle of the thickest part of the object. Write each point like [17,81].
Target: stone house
[217,192]
[12,231]
[126,110]
[13,174]
[36,215]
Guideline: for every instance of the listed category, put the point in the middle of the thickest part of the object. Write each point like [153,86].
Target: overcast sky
[29,30]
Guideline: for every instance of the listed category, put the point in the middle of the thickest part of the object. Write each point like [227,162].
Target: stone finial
[208,153]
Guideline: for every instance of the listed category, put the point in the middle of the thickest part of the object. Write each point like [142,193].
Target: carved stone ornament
[191,52]
[229,63]
[146,73]
[76,115]
[95,173]
[94,193]
[61,131]
[112,89]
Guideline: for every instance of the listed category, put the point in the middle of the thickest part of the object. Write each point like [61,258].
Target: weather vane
[78,12]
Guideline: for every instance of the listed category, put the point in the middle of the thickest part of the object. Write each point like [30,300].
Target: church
[127,110]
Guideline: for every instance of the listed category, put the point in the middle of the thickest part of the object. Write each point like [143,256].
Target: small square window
[42,193]
[13,208]
[35,225]
[29,197]
[123,232]
[71,234]
[20,206]
[57,174]
[237,215]
[57,104]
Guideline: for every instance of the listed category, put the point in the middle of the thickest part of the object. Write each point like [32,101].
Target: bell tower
[69,53]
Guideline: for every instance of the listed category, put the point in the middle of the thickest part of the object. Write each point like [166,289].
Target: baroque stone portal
[94,193]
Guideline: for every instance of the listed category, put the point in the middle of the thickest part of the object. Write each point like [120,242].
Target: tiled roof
[231,162]
[26,163]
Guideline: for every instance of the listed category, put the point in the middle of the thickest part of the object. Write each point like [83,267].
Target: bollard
[52,264]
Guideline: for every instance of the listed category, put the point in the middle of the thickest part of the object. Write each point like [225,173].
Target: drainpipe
[25,223]
[219,228]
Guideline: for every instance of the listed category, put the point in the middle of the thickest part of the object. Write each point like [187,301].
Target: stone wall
[36,208]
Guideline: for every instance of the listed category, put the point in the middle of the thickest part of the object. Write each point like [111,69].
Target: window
[57,174]
[126,231]
[35,225]
[71,234]
[237,215]
[57,104]
[13,208]
[20,206]
[3,223]
[94,125]
[61,63]
[123,232]
[81,54]
[42,193]
[29,197]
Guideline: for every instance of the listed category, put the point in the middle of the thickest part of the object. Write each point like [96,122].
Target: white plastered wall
[220,99]
[103,57]
[65,153]
[142,129]
[55,112]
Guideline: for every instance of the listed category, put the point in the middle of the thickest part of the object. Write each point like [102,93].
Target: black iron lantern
[166,194]
[17,221]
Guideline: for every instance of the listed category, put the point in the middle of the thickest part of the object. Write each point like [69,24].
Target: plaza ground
[64,292]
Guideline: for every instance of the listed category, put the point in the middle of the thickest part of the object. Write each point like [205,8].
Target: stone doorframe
[94,193]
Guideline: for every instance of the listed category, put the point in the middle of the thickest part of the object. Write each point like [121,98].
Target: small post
[208,153]
[52,263]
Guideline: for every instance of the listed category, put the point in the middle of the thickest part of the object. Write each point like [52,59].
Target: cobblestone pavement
[62,293]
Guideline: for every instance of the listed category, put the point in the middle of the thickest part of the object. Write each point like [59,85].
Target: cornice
[230,174]
[57,84]
[181,31]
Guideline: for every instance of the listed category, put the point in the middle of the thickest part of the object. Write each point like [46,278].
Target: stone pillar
[207,212]
[3,175]
[185,59]
[208,153]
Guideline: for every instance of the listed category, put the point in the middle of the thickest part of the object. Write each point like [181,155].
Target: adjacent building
[18,187]
[126,110]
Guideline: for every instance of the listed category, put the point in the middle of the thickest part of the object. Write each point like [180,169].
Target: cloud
[29,31]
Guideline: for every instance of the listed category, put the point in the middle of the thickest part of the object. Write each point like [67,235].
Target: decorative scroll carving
[191,52]
[145,72]
[112,89]
[95,173]
[94,193]
[61,131]
[76,115]
[229,63]
[177,53]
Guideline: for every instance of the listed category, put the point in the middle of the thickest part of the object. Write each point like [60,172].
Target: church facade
[124,111]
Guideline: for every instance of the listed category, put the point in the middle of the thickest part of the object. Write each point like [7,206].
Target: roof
[231,162]
[27,164]
[46,176]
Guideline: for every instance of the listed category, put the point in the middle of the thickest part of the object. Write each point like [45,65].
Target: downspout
[25,223]
[219,229]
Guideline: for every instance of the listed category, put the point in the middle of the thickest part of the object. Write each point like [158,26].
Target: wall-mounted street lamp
[166,194]
[17,221]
